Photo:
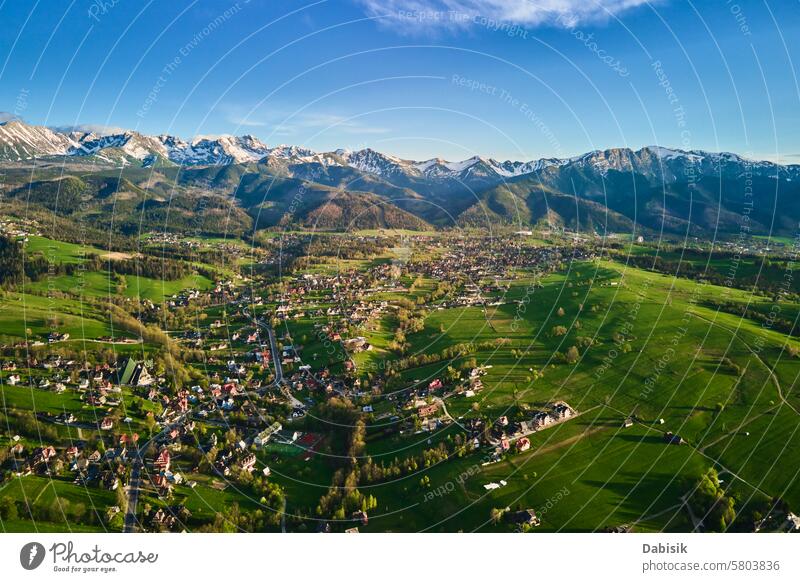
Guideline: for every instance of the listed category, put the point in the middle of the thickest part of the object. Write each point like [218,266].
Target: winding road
[135,483]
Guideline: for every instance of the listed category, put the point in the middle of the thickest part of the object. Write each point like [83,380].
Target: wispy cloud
[302,123]
[7,116]
[422,15]
[782,159]
[90,128]
[323,121]
[246,122]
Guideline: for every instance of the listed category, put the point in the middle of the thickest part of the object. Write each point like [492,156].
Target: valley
[381,380]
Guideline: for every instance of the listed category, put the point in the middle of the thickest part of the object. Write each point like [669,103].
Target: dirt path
[756,355]
[700,451]
[564,443]
[743,424]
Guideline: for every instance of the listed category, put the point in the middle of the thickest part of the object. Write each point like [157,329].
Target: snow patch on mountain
[20,141]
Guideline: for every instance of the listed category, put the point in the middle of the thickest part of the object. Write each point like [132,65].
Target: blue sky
[416,78]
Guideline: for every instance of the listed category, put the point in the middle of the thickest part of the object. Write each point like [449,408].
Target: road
[441,402]
[273,347]
[133,497]
[276,355]
[280,380]
[135,483]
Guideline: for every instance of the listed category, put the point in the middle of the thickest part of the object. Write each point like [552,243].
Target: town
[272,373]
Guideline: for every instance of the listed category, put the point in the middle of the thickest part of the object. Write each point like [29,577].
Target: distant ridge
[617,189]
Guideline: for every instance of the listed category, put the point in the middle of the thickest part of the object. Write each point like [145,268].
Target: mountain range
[651,189]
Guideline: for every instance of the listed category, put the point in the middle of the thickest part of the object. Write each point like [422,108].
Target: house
[627,423]
[524,517]
[66,418]
[162,483]
[45,453]
[133,373]
[541,420]
[562,411]
[263,437]
[162,519]
[429,410]
[109,481]
[248,463]
[673,439]
[106,423]
[162,461]
[523,444]
[357,344]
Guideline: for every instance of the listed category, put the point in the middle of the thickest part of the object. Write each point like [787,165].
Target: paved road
[133,497]
[273,347]
[135,484]
[276,355]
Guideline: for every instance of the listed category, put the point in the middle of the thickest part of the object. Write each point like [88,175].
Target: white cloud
[288,124]
[246,122]
[325,121]
[6,116]
[90,128]
[423,15]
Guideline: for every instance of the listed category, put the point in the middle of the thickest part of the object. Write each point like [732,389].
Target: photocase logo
[31,555]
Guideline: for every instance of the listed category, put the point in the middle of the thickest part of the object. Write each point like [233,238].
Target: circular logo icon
[31,555]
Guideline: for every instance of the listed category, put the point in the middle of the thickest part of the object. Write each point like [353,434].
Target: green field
[709,363]
[713,388]
[40,314]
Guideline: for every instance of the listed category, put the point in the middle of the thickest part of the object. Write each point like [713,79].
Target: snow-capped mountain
[372,162]
[290,152]
[20,141]
[120,149]
[670,165]
[602,190]
[213,151]
[477,166]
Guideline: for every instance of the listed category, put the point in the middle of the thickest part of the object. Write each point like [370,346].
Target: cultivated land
[393,380]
